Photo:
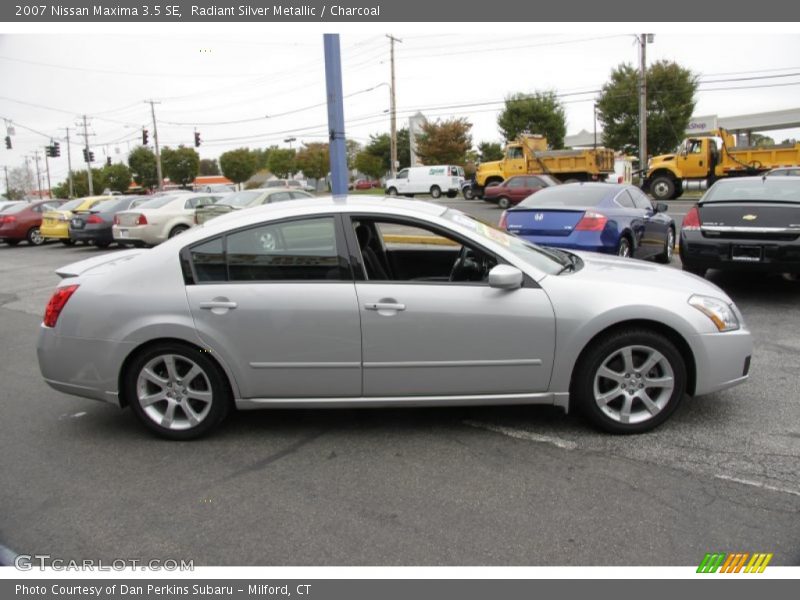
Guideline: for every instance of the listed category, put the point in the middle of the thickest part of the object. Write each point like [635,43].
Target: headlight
[719,311]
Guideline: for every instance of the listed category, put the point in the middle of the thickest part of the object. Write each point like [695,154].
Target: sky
[258,86]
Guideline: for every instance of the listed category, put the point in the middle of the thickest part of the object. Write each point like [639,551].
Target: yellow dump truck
[700,161]
[528,155]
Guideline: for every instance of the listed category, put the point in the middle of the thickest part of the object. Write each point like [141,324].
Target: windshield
[761,189]
[241,199]
[157,202]
[569,195]
[71,204]
[532,254]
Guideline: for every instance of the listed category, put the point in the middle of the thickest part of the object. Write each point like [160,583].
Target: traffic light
[8,142]
[48,151]
[56,149]
[145,133]
[108,160]
[88,156]
[196,139]
[91,156]
[53,150]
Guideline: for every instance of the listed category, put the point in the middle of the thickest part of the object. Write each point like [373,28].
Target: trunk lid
[547,222]
[108,260]
[750,220]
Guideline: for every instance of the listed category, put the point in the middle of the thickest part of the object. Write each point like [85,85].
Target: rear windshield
[15,208]
[241,199]
[110,205]
[568,195]
[71,204]
[157,202]
[762,189]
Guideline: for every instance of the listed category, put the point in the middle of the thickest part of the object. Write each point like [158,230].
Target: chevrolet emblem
[750,217]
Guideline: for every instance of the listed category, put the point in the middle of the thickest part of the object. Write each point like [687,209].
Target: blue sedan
[596,217]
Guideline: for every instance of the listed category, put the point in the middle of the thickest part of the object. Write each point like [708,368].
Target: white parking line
[758,484]
[521,434]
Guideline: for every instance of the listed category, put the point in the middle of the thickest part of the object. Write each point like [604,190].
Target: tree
[117,177]
[490,151]
[670,103]
[380,146]
[369,164]
[541,113]
[353,148]
[281,162]
[757,139]
[313,160]
[238,165]
[20,183]
[208,166]
[180,165]
[80,183]
[444,142]
[142,162]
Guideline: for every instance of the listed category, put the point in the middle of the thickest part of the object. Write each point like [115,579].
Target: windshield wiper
[570,266]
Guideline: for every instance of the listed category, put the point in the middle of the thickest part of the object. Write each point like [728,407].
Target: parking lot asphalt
[509,485]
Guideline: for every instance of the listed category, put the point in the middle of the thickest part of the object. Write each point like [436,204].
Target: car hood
[608,270]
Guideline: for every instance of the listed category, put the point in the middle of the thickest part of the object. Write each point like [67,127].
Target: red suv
[22,221]
[515,189]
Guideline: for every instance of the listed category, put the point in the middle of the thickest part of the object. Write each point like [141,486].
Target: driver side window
[407,251]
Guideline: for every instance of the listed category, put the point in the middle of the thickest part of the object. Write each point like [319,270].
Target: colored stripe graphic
[758,563]
[711,562]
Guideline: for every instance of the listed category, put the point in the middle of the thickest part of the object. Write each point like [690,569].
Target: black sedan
[94,226]
[746,223]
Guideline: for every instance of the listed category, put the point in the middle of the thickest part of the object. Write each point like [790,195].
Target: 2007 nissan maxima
[380,302]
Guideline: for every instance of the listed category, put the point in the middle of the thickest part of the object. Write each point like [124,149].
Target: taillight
[7,220]
[503,224]
[116,219]
[94,219]
[57,303]
[142,220]
[592,221]
[691,222]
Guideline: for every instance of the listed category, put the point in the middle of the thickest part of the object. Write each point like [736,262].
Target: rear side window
[279,197]
[624,199]
[299,250]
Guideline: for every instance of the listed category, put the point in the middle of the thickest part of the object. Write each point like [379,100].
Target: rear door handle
[218,304]
[384,306]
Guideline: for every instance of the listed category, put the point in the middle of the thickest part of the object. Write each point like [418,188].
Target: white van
[434,180]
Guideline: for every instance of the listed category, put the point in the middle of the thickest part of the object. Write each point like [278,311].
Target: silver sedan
[382,302]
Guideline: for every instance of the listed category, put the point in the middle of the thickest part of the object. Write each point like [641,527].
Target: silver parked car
[381,302]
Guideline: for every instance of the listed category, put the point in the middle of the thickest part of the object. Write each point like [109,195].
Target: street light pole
[644,39]
[393,109]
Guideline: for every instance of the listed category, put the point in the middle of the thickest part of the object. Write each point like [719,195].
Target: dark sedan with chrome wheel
[93,226]
[747,223]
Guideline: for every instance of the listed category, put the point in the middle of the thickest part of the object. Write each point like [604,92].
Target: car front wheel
[630,381]
[624,247]
[176,391]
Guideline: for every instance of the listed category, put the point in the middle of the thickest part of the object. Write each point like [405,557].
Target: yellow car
[55,223]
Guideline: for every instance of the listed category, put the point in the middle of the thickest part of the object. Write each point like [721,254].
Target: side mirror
[505,277]
[662,207]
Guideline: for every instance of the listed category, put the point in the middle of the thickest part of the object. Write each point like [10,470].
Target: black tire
[624,248]
[503,202]
[452,194]
[669,246]
[469,193]
[662,187]
[12,242]
[177,230]
[391,191]
[210,379]
[68,242]
[592,388]
[436,191]
[699,271]
[102,244]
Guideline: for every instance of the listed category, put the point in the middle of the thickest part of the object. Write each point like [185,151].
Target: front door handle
[384,306]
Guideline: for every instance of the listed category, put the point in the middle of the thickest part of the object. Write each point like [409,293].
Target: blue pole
[333,84]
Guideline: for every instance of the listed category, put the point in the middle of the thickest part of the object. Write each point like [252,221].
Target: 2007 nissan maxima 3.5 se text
[382,302]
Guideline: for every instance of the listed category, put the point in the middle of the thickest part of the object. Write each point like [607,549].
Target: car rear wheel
[669,245]
[436,191]
[624,247]
[503,202]
[176,391]
[469,193]
[177,230]
[35,237]
[629,382]
[391,191]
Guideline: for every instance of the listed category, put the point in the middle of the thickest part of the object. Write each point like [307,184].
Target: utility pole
[152,104]
[28,174]
[644,39]
[88,155]
[8,187]
[393,109]
[333,87]
[38,175]
[69,166]
[47,169]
